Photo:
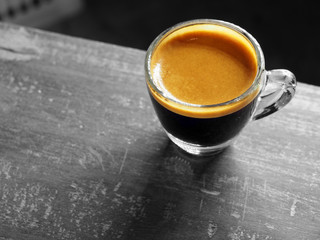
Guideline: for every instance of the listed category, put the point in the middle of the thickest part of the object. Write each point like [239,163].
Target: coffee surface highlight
[203,64]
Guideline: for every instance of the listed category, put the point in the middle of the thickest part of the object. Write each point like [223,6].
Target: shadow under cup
[208,129]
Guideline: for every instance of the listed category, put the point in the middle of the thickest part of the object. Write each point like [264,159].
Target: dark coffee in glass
[205,79]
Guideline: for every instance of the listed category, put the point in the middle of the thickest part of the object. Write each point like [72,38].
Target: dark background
[287,32]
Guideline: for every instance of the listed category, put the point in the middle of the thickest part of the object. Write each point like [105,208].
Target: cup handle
[279,89]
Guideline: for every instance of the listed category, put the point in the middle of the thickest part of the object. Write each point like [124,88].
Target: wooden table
[83,156]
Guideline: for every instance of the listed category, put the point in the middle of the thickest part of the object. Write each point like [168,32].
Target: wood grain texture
[83,156]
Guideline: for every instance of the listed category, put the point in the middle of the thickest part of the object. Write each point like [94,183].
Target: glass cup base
[197,149]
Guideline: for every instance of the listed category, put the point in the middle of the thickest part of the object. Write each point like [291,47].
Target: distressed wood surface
[83,156]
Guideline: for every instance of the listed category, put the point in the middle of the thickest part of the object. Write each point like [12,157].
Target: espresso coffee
[207,80]
[200,69]
[204,131]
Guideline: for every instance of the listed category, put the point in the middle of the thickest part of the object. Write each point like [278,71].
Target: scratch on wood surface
[98,157]
[212,229]
[210,192]
[19,45]
[201,204]
[117,187]
[293,208]
[270,226]
[82,160]
[246,188]
[5,168]
[123,161]
[264,187]
[235,214]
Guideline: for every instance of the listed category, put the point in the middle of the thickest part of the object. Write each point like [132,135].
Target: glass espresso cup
[207,80]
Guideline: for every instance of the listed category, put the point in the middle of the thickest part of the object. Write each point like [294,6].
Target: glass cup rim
[248,36]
